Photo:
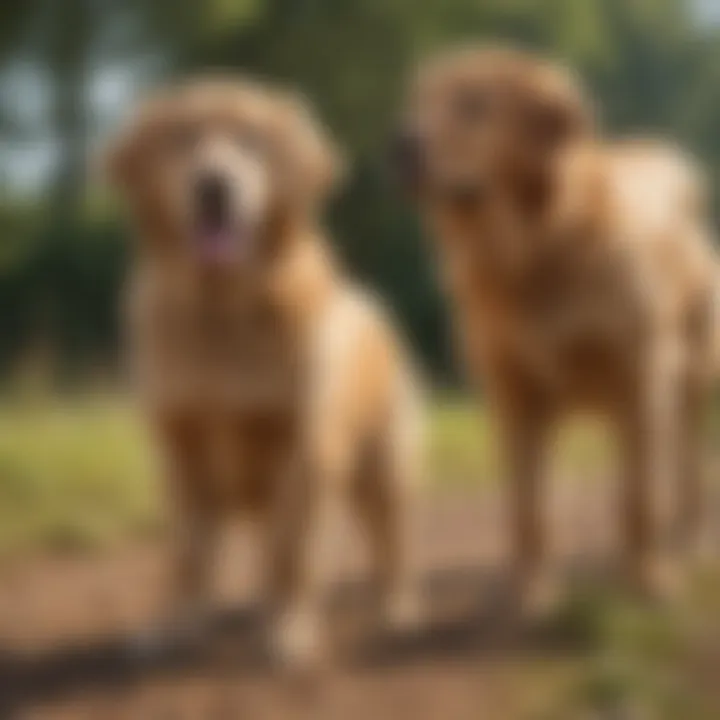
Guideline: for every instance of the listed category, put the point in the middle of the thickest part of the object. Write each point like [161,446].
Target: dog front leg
[651,467]
[303,540]
[184,606]
[524,429]
[195,545]
[193,539]
[689,532]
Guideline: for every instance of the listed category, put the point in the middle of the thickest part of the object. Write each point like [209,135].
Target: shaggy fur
[274,386]
[582,277]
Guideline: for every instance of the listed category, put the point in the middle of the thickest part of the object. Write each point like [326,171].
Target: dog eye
[183,136]
[251,139]
[471,105]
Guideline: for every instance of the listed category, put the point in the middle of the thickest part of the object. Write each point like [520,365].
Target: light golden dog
[273,384]
[582,276]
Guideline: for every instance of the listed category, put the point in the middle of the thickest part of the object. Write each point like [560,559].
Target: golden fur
[274,386]
[582,277]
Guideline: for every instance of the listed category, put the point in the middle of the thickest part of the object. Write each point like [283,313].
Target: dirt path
[64,621]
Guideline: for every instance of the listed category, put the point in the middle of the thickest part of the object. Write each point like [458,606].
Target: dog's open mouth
[220,237]
[216,244]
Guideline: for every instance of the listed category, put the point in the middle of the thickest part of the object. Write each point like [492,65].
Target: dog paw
[702,551]
[149,645]
[167,639]
[297,641]
[658,579]
[403,611]
[538,595]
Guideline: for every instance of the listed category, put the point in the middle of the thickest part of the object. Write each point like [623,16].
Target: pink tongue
[216,247]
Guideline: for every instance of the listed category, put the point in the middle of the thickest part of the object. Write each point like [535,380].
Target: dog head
[213,166]
[483,122]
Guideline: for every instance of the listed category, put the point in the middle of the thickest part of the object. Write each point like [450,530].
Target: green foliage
[650,63]
[638,660]
[58,292]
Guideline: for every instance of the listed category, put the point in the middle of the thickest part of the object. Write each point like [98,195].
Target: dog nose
[406,156]
[213,199]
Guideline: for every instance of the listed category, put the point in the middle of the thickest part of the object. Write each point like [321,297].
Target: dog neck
[297,276]
[521,229]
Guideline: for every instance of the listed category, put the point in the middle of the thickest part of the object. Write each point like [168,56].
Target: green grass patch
[463,446]
[73,474]
[80,472]
[638,660]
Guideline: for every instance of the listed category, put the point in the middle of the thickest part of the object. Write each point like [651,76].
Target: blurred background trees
[70,71]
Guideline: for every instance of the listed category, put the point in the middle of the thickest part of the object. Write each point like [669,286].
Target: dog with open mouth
[582,276]
[274,385]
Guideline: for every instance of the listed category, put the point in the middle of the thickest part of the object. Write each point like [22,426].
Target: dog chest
[575,337]
[221,351]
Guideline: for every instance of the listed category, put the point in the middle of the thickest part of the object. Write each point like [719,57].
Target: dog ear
[555,113]
[121,162]
[560,112]
[317,163]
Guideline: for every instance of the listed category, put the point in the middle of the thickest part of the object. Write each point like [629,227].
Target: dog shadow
[470,616]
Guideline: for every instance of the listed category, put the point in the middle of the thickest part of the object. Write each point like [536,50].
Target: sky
[28,161]
[708,11]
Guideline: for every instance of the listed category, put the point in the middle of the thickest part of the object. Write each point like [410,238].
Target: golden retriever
[582,277]
[274,385]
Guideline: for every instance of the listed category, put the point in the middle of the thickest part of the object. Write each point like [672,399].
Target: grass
[463,446]
[73,475]
[81,473]
[638,660]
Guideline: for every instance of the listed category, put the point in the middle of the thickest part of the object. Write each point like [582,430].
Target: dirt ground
[64,624]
